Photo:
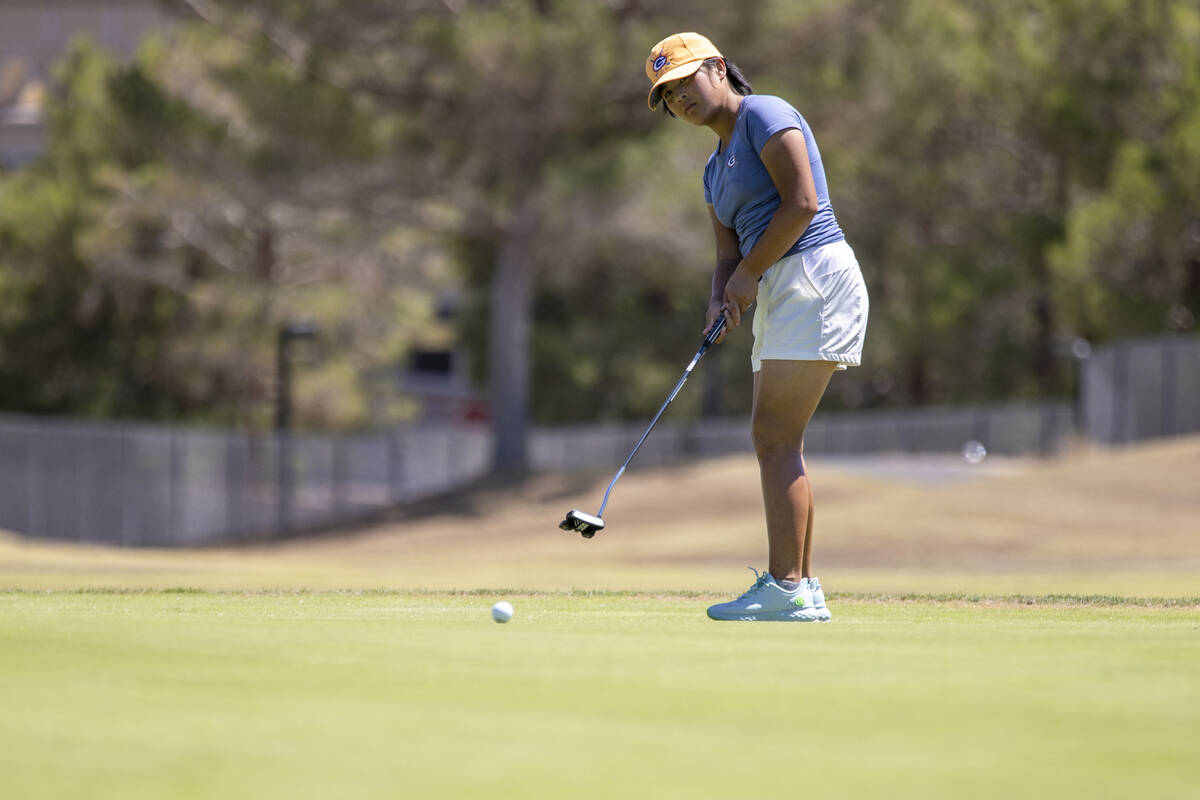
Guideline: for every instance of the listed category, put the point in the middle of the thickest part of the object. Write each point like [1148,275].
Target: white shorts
[812,306]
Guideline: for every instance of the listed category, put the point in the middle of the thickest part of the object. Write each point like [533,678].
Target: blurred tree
[1130,260]
[1009,175]
[494,106]
[71,330]
[966,144]
[150,256]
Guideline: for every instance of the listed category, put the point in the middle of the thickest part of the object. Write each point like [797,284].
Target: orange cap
[676,57]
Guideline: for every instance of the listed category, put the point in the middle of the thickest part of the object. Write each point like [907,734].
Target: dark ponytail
[737,81]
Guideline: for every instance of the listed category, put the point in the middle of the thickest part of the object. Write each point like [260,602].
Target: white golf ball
[974,452]
[502,611]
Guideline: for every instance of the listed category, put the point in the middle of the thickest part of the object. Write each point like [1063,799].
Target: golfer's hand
[715,309]
[740,292]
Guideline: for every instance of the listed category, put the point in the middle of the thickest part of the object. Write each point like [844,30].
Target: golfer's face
[690,97]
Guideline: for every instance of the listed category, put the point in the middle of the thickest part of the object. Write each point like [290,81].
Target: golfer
[778,244]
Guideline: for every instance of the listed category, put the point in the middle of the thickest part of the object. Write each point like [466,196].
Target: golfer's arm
[728,257]
[785,156]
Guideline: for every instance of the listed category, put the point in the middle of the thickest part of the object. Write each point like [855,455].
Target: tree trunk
[918,380]
[1191,285]
[1045,363]
[509,311]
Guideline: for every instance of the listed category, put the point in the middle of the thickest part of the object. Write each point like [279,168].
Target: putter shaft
[709,339]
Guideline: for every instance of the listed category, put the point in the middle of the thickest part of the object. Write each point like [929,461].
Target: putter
[587,525]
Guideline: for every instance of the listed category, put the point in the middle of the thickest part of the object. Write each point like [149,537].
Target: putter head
[585,525]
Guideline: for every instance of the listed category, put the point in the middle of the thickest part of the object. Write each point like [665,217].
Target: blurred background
[269,265]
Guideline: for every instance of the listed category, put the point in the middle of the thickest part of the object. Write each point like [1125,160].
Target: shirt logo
[659,63]
[732,160]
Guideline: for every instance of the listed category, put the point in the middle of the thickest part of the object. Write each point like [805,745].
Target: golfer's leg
[806,561]
[786,395]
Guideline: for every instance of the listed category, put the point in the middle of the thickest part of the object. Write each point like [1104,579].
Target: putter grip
[715,331]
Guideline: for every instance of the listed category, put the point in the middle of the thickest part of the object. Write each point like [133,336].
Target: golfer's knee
[772,439]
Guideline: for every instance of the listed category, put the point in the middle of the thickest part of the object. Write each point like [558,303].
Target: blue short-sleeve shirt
[740,189]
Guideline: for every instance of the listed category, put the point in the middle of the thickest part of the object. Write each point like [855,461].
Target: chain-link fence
[140,485]
[1141,389]
[1011,429]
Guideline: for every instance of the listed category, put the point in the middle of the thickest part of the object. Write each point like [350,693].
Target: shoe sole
[794,615]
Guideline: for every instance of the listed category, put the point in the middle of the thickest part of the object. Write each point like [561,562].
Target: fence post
[1081,351]
[31,459]
[235,486]
[1046,430]
[79,496]
[284,481]
[174,501]
[455,461]
[1121,424]
[1169,358]
[338,476]
[126,522]
[395,466]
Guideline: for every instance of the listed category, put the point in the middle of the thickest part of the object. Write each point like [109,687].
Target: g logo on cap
[660,62]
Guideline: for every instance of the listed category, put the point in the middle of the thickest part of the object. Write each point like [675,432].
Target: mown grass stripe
[967,598]
[963,598]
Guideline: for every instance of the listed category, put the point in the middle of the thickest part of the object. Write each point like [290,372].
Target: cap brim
[682,71]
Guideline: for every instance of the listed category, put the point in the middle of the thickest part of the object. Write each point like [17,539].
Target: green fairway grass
[196,694]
